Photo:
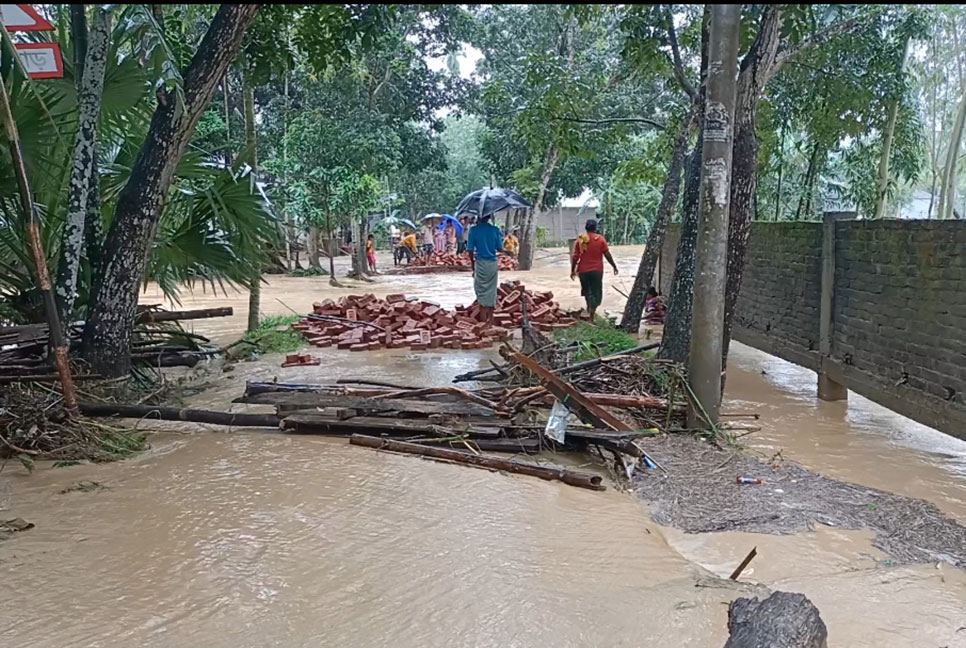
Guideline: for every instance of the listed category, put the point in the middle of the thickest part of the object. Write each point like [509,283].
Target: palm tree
[216,227]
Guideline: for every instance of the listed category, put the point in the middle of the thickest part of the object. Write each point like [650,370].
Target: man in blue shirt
[483,242]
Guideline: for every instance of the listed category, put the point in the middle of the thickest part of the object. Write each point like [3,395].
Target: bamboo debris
[25,347]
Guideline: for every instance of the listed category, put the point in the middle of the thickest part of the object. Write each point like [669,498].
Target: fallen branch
[174,316]
[571,477]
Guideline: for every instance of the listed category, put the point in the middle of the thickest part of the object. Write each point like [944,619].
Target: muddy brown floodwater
[247,538]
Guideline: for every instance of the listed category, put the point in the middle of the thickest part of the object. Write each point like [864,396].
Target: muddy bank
[699,494]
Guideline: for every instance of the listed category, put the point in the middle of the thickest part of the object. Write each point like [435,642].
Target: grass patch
[275,335]
[308,272]
[593,341]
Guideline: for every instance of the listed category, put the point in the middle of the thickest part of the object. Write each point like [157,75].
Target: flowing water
[247,538]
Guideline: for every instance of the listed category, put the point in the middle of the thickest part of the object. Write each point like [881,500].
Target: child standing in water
[371,254]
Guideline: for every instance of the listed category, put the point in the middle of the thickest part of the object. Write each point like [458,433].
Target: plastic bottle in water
[749,480]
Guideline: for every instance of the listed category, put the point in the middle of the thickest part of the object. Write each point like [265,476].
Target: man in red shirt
[587,262]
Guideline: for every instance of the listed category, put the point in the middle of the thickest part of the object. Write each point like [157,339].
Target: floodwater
[243,538]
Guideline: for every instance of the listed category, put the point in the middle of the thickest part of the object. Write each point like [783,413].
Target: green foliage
[601,339]
[309,272]
[555,80]
[275,335]
[215,226]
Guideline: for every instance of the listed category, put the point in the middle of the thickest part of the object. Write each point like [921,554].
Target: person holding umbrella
[587,262]
[483,242]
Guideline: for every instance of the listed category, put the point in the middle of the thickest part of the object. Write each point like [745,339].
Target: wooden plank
[585,409]
[367,406]
[305,423]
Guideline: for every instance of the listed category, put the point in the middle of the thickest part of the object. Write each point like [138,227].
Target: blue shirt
[485,240]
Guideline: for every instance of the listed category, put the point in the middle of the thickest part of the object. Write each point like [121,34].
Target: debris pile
[159,341]
[367,323]
[439,262]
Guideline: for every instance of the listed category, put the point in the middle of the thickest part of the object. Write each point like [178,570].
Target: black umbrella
[487,202]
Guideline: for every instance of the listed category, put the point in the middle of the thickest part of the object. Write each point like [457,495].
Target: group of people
[483,241]
[432,238]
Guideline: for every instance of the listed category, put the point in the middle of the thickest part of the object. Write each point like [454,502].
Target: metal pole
[58,342]
[707,324]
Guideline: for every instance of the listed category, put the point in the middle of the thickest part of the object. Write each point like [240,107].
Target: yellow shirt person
[409,241]
[510,244]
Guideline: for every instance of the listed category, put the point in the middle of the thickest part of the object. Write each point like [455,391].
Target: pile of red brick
[365,323]
[451,261]
[543,313]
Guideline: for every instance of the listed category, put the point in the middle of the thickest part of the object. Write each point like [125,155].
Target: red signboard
[23,17]
[41,60]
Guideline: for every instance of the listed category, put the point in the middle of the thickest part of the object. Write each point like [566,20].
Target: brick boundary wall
[895,321]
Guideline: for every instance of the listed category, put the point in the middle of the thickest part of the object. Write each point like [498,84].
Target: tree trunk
[359,265]
[627,225]
[882,184]
[781,174]
[78,37]
[676,341]
[528,236]
[312,247]
[286,214]
[708,309]
[756,68]
[947,193]
[251,146]
[631,320]
[107,335]
[83,174]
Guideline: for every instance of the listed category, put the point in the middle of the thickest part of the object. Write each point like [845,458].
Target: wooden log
[304,423]
[526,446]
[585,409]
[367,406]
[326,424]
[168,359]
[253,388]
[177,414]
[429,391]
[174,316]
[783,620]
[45,378]
[571,477]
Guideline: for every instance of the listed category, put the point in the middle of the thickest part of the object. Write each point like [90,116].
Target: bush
[309,272]
[543,234]
[271,337]
[593,341]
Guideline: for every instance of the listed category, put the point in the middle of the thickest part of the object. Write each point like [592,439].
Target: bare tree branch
[676,57]
[614,120]
[823,36]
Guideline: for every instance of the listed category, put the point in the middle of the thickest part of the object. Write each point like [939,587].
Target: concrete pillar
[829,389]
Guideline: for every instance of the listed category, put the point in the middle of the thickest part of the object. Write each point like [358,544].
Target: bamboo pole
[571,477]
[58,342]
